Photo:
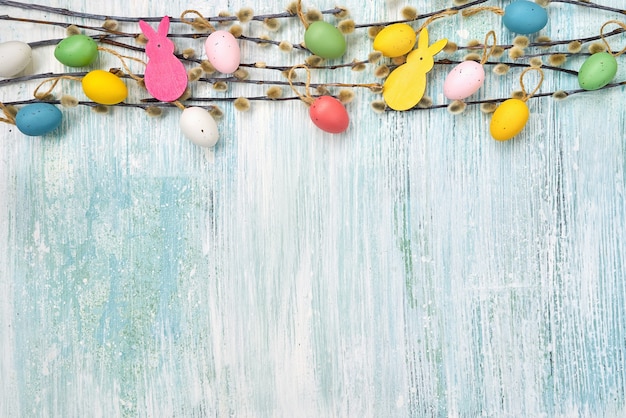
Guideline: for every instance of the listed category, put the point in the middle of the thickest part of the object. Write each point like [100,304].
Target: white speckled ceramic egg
[199,126]
[14,57]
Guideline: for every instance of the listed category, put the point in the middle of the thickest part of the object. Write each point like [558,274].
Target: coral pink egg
[329,114]
[222,51]
[464,80]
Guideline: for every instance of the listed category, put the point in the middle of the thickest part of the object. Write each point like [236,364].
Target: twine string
[123,59]
[610,22]
[54,81]
[301,15]
[199,23]
[475,10]
[488,51]
[527,96]
[306,98]
[9,118]
[445,13]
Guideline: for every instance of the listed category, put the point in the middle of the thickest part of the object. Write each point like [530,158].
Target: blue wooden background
[411,267]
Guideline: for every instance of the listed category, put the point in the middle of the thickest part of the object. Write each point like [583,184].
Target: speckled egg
[524,17]
[395,40]
[329,114]
[464,80]
[597,71]
[104,87]
[222,51]
[37,119]
[14,57]
[199,126]
[509,119]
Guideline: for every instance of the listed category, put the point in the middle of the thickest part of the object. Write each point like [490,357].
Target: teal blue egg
[524,17]
[597,71]
[38,119]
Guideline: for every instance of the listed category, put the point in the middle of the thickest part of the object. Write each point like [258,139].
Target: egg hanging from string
[199,126]
[104,87]
[509,119]
[395,40]
[38,119]
[524,17]
[329,114]
[222,51]
[76,51]
[324,40]
[14,57]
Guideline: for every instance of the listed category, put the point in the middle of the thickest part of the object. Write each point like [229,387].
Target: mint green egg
[76,51]
[324,40]
[597,71]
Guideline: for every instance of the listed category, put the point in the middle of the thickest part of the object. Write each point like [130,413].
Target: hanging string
[301,15]
[431,19]
[487,52]
[306,98]
[620,24]
[55,81]
[527,96]
[475,10]
[123,61]
[200,23]
[9,117]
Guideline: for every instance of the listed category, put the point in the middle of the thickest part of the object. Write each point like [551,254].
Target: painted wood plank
[410,267]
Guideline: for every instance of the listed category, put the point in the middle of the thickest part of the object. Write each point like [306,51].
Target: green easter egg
[597,71]
[76,51]
[324,40]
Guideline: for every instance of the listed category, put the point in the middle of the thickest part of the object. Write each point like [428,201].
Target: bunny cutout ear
[164,26]
[437,46]
[147,30]
[422,41]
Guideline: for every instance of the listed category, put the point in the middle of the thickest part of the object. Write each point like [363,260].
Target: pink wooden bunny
[165,76]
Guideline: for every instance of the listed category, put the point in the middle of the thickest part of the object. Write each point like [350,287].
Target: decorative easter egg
[524,17]
[14,57]
[104,87]
[222,51]
[597,71]
[329,114]
[464,80]
[76,51]
[38,119]
[395,40]
[199,126]
[324,40]
[509,119]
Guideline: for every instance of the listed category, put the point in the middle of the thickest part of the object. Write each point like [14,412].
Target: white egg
[199,126]
[14,57]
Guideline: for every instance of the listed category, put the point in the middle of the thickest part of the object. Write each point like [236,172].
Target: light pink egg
[222,50]
[464,80]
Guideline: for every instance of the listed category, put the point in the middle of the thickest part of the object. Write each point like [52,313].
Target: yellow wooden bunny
[405,86]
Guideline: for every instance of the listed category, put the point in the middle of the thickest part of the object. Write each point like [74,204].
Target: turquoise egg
[524,17]
[76,51]
[597,71]
[38,119]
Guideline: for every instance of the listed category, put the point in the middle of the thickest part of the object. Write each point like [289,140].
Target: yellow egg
[395,40]
[104,87]
[509,119]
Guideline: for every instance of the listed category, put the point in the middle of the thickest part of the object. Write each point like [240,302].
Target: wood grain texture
[411,267]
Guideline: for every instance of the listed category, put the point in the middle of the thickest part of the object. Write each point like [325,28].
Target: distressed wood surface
[411,267]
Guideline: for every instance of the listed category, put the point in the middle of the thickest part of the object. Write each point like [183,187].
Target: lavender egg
[464,80]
